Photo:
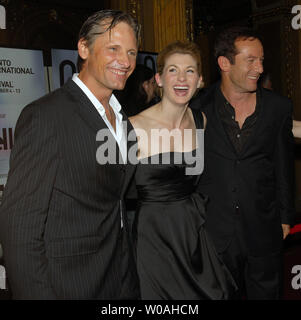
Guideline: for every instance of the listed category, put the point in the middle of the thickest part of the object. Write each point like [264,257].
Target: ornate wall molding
[135,8]
[189,20]
[169,22]
[288,44]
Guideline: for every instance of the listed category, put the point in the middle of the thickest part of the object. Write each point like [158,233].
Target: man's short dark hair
[225,41]
[101,22]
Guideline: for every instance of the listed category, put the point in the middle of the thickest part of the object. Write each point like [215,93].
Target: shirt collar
[223,102]
[114,103]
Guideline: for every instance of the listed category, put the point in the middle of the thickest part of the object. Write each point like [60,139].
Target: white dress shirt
[120,134]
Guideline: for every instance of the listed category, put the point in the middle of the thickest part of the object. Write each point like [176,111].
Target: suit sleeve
[284,160]
[23,213]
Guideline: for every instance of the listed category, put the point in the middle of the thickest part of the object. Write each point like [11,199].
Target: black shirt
[238,136]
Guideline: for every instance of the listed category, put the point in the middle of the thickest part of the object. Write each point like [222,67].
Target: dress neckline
[166,152]
[196,121]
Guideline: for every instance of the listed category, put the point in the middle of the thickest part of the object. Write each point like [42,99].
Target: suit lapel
[84,107]
[131,147]
[87,111]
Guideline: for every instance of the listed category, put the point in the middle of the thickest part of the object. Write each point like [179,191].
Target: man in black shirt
[248,172]
[238,136]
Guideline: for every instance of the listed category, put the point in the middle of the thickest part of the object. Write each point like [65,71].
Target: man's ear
[83,49]
[223,63]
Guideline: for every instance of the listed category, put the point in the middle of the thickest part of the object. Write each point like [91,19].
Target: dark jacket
[60,219]
[254,186]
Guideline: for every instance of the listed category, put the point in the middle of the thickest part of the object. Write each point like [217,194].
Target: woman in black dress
[175,257]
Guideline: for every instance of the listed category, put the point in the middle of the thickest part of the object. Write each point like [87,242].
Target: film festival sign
[22,81]
[63,66]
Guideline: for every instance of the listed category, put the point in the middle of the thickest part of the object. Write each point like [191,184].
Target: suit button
[234,189]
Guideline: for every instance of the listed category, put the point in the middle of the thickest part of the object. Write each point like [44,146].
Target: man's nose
[259,67]
[124,59]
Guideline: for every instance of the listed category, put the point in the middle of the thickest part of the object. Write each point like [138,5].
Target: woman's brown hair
[180,47]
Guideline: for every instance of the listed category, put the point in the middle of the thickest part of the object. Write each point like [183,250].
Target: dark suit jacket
[254,186]
[60,220]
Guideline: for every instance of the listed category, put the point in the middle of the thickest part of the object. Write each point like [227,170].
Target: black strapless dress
[175,258]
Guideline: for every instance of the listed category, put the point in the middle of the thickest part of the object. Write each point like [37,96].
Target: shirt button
[238,135]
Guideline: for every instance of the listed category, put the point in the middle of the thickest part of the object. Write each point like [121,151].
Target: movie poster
[63,66]
[21,82]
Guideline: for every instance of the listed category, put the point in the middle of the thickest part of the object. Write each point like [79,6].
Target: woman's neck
[171,113]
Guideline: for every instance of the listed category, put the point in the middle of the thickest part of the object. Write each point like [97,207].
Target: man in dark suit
[63,232]
[248,173]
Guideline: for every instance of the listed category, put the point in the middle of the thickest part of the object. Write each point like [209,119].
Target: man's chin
[253,88]
[119,86]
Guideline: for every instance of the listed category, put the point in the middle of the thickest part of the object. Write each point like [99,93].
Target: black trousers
[257,277]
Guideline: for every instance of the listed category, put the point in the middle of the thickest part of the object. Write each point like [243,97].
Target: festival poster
[63,66]
[21,82]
